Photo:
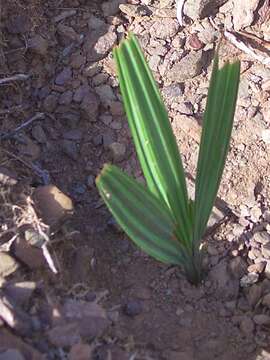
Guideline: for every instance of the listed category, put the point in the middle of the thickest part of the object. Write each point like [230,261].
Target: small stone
[247,326]
[201,8]
[133,308]
[65,98]
[90,105]
[79,189]
[75,135]
[50,102]
[29,255]
[67,32]
[106,94]
[39,134]
[103,46]
[11,354]
[257,268]
[95,23]
[52,204]
[237,267]
[116,108]
[267,269]
[243,13]
[19,23]
[70,148]
[7,177]
[38,44]
[186,68]
[81,92]
[266,300]
[266,251]
[249,279]
[77,60]
[64,76]
[80,352]
[212,250]
[262,237]
[111,7]
[8,265]
[254,294]
[164,28]
[106,119]
[266,136]
[20,292]
[64,336]
[194,42]
[261,319]
[118,151]
[90,182]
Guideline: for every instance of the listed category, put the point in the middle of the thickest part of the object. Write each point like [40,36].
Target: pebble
[254,294]
[257,268]
[38,44]
[133,308]
[31,256]
[187,68]
[90,105]
[249,279]
[106,94]
[118,151]
[20,292]
[111,7]
[164,28]
[237,267]
[267,269]
[80,93]
[70,148]
[201,8]
[39,134]
[50,102]
[11,354]
[103,45]
[65,98]
[52,204]
[75,135]
[90,181]
[261,319]
[247,326]
[64,76]
[266,300]
[77,60]
[80,352]
[266,250]
[8,265]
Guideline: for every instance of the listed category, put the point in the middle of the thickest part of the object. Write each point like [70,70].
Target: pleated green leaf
[215,138]
[152,134]
[142,216]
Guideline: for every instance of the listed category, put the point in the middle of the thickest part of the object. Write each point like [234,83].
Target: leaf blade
[145,220]
[152,134]
[216,133]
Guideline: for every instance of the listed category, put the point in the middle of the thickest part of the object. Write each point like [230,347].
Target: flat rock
[186,68]
[89,105]
[10,341]
[80,352]
[227,287]
[38,44]
[243,13]
[8,265]
[11,354]
[164,28]
[201,8]
[20,292]
[118,151]
[52,204]
[31,256]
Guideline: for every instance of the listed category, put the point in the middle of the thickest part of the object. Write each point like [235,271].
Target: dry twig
[17,77]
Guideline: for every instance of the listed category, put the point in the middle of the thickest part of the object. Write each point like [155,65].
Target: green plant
[160,218]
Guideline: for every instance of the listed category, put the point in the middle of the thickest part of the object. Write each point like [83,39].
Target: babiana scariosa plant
[160,217]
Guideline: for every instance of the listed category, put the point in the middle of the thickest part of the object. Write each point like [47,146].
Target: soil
[63,48]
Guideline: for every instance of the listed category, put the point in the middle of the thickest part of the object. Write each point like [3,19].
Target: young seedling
[160,218]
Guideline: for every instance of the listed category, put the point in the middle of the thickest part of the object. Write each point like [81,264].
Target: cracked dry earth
[108,299]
